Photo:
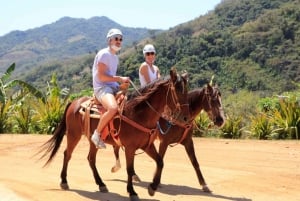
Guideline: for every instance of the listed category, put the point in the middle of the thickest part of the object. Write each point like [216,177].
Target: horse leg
[162,151]
[92,162]
[117,165]
[129,154]
[189,148]
[72,141]
[151,151]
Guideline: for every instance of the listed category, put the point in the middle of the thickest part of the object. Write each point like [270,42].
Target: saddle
[92,108]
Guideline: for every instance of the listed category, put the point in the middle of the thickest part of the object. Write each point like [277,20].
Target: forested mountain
[245,44]
[63,39]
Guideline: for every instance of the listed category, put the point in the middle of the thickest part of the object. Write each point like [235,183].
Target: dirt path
[238,170]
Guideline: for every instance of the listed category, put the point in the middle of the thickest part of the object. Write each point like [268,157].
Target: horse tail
[53,144]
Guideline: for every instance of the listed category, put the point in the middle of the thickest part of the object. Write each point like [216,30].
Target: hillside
[245,44]
[63,39]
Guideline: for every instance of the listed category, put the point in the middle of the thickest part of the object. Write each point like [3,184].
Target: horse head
[177,107]
[212,105]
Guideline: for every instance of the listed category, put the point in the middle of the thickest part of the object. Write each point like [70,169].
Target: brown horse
[136,125]
[208,99]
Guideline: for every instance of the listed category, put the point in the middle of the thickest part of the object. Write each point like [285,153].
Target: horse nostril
[185,119]
[219,120]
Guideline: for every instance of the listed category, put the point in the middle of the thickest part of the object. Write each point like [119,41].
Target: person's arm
[103,77]
[144,72]
[158,73]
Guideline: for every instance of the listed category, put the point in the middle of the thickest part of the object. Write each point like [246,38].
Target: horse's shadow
[96,195]
[171,189]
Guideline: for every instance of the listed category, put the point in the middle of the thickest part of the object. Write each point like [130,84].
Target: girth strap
[187,129]
[152,132]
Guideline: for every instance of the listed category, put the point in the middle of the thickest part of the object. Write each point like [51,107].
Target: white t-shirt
[152,75]
[111,61]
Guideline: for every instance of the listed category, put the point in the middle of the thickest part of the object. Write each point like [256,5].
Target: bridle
[173,115]
[172,91]
[210,97]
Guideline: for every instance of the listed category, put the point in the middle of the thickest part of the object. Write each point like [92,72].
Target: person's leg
[108,101]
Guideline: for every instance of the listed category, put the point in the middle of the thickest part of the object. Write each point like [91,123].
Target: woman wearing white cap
[148,72]
[106,82]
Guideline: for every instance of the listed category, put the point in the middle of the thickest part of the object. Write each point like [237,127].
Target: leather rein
[174,96]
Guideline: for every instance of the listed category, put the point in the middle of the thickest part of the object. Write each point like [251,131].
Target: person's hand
[124,79]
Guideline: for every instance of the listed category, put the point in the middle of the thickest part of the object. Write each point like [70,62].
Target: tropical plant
[8,95]
[48,113]
[233,127]
[261,127]
[287,118]
[201,124]
[268,104]
[22,116]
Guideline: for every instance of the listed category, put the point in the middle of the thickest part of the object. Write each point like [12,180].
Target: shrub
[233,128]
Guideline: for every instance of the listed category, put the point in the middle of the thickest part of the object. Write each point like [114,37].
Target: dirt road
[237,170]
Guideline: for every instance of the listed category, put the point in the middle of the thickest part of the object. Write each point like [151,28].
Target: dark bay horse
[208,99]
[141,112]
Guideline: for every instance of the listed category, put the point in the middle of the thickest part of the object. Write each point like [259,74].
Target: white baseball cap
[148,48]
[113,32]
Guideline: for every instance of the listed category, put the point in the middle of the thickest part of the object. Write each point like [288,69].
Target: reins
[173,95]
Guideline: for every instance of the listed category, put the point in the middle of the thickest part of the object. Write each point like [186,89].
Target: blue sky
[161,14]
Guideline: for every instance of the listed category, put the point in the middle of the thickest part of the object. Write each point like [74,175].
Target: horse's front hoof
[64,186]
[151,191]
[115,168]
[103,189]
[136,178]
[134,198]
[206,189]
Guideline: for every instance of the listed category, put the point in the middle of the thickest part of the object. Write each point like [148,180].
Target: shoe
[96,139]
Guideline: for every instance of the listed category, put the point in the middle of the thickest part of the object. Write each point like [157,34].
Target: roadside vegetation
[25,109]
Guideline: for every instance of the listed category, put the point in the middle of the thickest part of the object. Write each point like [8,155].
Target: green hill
[246,44]
[61,40]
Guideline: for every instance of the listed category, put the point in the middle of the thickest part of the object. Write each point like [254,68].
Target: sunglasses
[118,39]
[150,53]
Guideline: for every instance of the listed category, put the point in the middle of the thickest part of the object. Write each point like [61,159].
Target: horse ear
[185,75]
[211,80]
[173,74]
[209,88]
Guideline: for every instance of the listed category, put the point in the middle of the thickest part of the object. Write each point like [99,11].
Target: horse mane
[194,95]
[134,98]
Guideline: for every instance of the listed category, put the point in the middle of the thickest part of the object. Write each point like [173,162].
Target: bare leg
[109,103]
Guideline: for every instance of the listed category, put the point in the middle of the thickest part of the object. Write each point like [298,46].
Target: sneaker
[96,139]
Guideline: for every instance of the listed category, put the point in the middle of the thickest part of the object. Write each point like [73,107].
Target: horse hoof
[64,186]
[136,178]
[115,169]
[134,198]
[150,190]
[206,189]
[103,189]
